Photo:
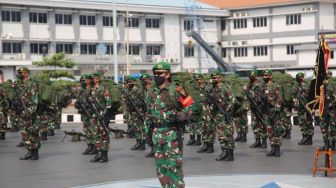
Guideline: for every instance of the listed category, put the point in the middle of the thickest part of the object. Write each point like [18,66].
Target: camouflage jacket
[271,98]
[30,95]
[330,98]
[224,97]
[300,92]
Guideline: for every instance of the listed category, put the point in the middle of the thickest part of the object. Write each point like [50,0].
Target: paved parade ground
[61,165]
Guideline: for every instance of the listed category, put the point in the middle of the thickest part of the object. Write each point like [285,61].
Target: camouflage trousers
[208,131]
[137,127]
[149,135]
[194,128]
[100,137]
[30,134]
[328,126]
[259,128]
[3,122]
[241,123]
[88,129]
[43,119]
[224,132]
[286,119]
[275,130]
[168,158]
[305,123]
[15,120]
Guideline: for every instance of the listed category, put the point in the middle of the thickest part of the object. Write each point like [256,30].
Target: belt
[165,125]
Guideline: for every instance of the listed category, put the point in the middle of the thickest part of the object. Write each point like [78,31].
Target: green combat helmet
[23,69]
[299,75]
[268,72]
[161,66]
[253,73]
[198,77]
[216,73]
[145,75]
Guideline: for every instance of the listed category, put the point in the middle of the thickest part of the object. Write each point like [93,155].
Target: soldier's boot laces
[309,140]
[243,139]
[238,138]
[27,156]
[198,141]
[88,149]
[19,145]
[104,157]
[35,155]
[303,140]
[272,152]
[2,136]
[326,145]
[96,158]
[223,155]
[277,151]
[203,148]
[210,148]
[142,145]
[256,144]
[191,141]
[136,146]
[229,156]
[333,145]
[93,151]
[151,153]
[264,143]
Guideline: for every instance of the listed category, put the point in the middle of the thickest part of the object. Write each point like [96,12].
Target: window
[189,51]
[65,48]
[63,19]
[240,23]
[134,50]
[260,22]
[223,25]
[109,49]
[11,16]
[260,51]
[39,48]
[132,22]
[240,52]
[87,20]
[188,25]
[108,21]
[88,49]
[332,54]
[152,23]
[290,49]
[153,50]
[11,47]
[39,17]
[223,53]
[293,19]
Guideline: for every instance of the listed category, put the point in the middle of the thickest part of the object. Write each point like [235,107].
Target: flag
[316,88]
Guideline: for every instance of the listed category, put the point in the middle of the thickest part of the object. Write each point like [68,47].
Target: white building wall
[209,31]
[134,35]
[172,38]
[295,40]
[39,31]
[15,30]
[153,35]
[88,33]
[327,22]
[65,32]
[280,54]
[306,57]
[108,34]
[250,29]
[190,63]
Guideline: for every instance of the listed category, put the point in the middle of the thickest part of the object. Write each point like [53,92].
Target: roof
[240,4]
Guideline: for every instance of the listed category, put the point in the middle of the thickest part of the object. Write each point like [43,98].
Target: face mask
[83,83]
[214,82]
[299,80]
[19,76]
[143,82]
[130,85]
[92,83]
[266,79]
[252,78]
[159,80]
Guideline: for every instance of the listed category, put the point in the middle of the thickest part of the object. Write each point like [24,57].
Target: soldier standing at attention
[169,105]
[28,92]
[300,93]
[4,107]
[273,104]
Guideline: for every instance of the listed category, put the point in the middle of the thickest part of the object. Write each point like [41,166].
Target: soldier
[272,104]
[168,105]
[240,119]
[146,81]
[300,93]
[328,127]
[223,98]
[205,126]
[253,91]
[4,106]
[28,92]
[287,123]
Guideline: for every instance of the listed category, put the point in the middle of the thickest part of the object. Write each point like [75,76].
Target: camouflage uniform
[273,104]
[300,93]
[286,121]
[4,106]
[240,119]
[168,106]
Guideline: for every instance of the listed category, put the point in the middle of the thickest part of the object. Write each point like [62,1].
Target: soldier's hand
[182,116]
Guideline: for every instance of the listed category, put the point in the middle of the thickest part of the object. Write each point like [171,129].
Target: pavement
[61,165]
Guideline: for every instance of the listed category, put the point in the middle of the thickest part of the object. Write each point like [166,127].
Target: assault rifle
[130,99]
[311,117]
[256,110]
[72,133]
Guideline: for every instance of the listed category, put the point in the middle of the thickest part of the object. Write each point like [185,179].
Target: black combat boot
[44,136]
[272,152]
[142,145]
[20,144]
[88,149]
[2,136]
[276,150]
[51,132]
[198,141]
[203,148]
[333,145]
[223,155]
[191,141]
[309,140]
[35,155]
[287,134]
[27,156]
[151,153]
[97,157]
[93,151]
[256,144]
[303,140]
[326,145]
[229,156]
[210,148]
[104,157]
[136,146]
[238,138]
[264,143]
[243,139]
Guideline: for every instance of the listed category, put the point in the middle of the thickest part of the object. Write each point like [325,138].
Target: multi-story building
[32,29]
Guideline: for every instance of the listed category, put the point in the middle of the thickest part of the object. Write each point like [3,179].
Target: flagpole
[115,50]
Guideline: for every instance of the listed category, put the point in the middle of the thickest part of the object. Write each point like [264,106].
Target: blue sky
[174,3]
